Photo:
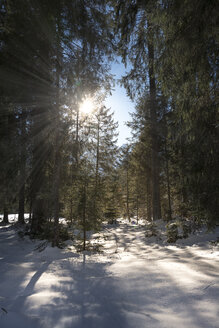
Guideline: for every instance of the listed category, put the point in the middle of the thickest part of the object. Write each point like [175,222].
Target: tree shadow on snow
[82,295]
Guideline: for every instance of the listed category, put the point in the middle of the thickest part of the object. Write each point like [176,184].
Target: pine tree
[137,33]
[103,150]
[187,70]
[41,76]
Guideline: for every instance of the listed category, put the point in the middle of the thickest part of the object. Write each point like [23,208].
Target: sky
[120,104]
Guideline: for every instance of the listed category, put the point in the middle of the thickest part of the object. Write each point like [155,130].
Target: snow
[132,282]
[12,218]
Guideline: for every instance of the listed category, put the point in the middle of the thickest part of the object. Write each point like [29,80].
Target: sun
[87,106]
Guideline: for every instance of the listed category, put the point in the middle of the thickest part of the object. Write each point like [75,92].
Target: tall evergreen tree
[136,45]
[187,69]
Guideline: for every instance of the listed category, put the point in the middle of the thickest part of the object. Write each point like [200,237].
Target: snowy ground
[133,283]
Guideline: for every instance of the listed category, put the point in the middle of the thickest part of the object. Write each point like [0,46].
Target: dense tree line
[52,55]
[172,48]
[56,161]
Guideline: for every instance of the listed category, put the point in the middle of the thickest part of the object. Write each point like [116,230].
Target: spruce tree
[137,33]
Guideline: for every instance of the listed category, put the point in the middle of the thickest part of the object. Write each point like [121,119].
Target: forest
[105,235]
[57,161]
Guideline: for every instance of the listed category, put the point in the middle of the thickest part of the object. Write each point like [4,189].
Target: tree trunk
[97,157]
[97,171]
[57,164]
[21,204]
[56,192]
[22,177]
[168,185]
[148,194]
[30,211]
[127,193]
[84,218]
[74,168]
[137,209]
[39,216]
[5,217]
[77,137]
[154,131]
[37,174]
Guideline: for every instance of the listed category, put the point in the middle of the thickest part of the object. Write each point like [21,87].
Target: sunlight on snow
[182,274]
[132,282]
[46,297]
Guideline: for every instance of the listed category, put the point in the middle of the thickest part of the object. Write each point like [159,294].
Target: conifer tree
[187,70]
[137,32]
[39,63]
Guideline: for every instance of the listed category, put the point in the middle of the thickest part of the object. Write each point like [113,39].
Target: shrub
[172,232]
[186,229]
[151,230]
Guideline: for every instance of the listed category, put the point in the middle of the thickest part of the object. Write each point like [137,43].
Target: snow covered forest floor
[130,282]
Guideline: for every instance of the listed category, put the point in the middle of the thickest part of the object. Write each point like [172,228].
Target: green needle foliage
[56,161]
